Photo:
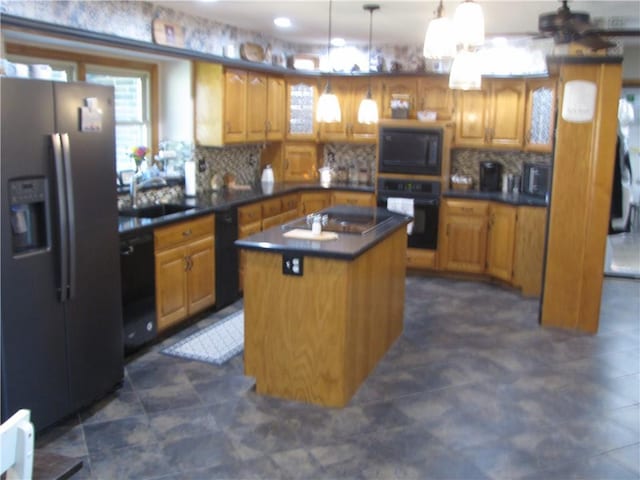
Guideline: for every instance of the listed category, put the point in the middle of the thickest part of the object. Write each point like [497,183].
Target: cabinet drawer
[248,229]
[250,213]
[271,207]
[467,207]
[289,202]
[182,232]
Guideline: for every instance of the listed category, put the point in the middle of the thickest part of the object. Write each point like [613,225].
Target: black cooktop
[342,220]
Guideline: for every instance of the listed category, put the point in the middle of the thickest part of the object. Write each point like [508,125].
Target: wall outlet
[292,265]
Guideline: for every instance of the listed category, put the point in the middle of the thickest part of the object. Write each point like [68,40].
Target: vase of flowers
[138,154]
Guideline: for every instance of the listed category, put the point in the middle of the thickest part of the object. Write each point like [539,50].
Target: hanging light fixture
[328,109]
[368,111]
[465,71]
[468,23]
[440,41]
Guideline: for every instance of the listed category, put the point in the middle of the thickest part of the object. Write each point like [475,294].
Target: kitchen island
[319,315]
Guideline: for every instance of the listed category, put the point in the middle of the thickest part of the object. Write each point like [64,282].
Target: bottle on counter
[353,174]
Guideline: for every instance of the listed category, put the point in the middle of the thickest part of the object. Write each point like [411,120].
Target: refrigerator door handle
[56,142]
[71,218]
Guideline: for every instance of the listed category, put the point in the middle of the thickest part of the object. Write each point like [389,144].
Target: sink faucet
[133,190]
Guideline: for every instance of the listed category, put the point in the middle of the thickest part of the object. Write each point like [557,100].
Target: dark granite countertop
[224,200]
[510,198]
[346,246]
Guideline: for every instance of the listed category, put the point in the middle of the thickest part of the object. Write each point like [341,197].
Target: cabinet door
[276,93]
[506,113]
[301,107]
[465,246]
[208,79]
[434,95]
[529,249]
[362,132]
[540,115]
[300,162]
[357,199]
[403,86]
[471,124]
[338,131]
[500,241]
[256,107]
[235,106]
[311,202]
[201,274]
[244,231]
[171,287]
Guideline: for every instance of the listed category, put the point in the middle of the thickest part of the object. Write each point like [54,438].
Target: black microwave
[410,150]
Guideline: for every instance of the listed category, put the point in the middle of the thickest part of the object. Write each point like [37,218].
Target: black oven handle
[420,202]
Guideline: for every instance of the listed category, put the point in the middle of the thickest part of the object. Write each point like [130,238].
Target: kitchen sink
[153,211]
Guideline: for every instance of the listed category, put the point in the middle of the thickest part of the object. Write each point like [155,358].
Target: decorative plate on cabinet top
[252,52]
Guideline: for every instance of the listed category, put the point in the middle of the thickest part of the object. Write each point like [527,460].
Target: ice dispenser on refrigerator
[27,204]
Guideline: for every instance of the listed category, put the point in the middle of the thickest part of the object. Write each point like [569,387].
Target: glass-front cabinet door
[301,101]
[540,116]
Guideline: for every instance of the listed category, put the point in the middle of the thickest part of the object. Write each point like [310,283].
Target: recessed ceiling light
[282,22]
[338,42]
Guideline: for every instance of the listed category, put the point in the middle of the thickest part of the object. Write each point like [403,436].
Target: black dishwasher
[137,270]
[227,283]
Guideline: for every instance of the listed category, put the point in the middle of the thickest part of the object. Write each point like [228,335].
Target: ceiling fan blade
[594,42]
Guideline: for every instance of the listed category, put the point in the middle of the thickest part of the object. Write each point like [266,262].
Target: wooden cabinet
[249,222]
[501,241]
[405,87]
[300,110]
[529,250]
[185,270]
[350,93]
[463,235]
[356,199]
[435,95]
[493,116]
[540,115]
[276,101]
[310,202]
[300,161]
[234,106]
[257,101]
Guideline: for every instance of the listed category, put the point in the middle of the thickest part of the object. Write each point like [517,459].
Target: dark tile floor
[473,389]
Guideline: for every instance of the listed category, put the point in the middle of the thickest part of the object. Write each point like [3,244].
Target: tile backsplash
[467,161]
[242,161]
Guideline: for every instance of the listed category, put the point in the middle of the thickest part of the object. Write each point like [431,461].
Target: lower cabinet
[311,202]
[501,241]
[185,270]
[354,199]
[463,237]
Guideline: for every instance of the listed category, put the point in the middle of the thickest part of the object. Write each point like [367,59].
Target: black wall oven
[410,150]
[426,205]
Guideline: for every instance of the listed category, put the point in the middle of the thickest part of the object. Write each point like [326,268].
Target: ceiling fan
[566,26]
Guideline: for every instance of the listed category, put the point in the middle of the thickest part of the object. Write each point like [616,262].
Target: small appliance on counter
[490,174]
[536,179]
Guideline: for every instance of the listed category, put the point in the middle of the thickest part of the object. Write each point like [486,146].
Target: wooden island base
[315,338]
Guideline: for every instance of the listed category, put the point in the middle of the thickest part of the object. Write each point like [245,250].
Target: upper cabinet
[540,115]
[350,92]
[400,88]
[434,95]
[301,101]
[233,106]
[493,116]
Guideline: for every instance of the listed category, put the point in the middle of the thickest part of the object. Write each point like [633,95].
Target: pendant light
[328,109]
[440,41]
[465,71]
[368,111]
[468,23]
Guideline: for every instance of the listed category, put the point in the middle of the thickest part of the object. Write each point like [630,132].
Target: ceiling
[398,22]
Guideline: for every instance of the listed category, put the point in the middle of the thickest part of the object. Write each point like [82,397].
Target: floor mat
[215,344]
[622,258]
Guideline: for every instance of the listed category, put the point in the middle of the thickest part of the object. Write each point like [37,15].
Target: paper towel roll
[190,179]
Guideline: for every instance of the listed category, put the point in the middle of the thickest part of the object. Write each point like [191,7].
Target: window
[133,124]
[61,71]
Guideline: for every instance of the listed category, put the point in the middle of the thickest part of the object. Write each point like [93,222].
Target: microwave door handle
[62,216]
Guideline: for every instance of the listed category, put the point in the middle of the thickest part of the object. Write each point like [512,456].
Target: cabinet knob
[186,233]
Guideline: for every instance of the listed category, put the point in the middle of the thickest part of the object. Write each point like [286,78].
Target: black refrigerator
[61,323]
